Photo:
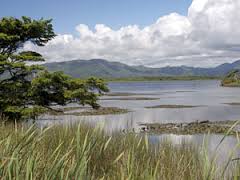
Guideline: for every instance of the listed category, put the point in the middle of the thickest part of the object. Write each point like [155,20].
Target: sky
[67,14]
[154,33]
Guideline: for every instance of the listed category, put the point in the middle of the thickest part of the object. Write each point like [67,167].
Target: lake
[211,98]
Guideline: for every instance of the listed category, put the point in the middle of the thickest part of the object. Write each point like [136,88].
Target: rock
[143,129]
[204,122]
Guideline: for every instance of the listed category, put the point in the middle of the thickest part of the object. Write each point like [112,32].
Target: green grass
[170,106]
[231,79]
[89,112]
[233,84]
[161,78]
[82,152]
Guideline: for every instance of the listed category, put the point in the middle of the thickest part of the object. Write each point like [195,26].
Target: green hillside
[232,79]
[107,69]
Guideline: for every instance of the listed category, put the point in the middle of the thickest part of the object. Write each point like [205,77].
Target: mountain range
[106,69]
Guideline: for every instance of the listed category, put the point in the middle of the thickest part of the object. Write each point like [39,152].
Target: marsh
[211,102]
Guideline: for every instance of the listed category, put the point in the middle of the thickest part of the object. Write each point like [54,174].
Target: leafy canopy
[27,89]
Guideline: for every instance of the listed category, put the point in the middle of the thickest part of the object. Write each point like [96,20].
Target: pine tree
[27,89]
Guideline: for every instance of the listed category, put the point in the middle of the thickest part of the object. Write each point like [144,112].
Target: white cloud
[209,35]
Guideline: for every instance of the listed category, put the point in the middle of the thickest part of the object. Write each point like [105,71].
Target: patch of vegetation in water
[185,91]
[93,112]
[233,104]
[73,108]
[161,78]
[171,106]
[232,79]
[126,94]
[202,127]
[130,98]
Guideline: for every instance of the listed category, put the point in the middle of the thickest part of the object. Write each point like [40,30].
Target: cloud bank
[208,36]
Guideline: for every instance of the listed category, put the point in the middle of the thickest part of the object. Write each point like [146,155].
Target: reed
[82,152]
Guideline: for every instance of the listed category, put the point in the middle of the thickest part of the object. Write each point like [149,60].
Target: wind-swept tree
[27,89]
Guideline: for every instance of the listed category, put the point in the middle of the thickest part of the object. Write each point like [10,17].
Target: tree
[27,89]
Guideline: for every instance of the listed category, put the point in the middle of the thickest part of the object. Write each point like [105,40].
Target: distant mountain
[107,69]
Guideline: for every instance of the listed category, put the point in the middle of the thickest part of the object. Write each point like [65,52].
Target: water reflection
[227,149]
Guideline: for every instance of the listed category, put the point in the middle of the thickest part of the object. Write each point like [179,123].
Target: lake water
[209,95]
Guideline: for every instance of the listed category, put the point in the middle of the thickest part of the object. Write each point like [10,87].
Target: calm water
[207,94]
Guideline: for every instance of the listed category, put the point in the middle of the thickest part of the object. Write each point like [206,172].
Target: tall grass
[82,152]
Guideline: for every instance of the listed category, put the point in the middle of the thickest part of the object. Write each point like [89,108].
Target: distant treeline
[163,78]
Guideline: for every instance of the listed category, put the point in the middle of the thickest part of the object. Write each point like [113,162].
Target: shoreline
[192,128]
[161,78]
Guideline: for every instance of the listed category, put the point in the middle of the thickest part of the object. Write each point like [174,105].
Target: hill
[232,79]
[107,69]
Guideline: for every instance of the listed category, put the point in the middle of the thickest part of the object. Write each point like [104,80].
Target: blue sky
[67,14]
